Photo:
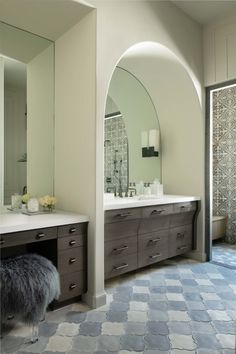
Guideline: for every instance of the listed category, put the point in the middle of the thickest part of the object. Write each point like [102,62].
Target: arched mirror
[132,135]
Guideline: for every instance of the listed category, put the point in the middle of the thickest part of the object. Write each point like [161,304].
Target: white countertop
[140,201]
[14,222]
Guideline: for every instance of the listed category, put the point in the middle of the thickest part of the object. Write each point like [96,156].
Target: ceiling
[49,19]
[204,11]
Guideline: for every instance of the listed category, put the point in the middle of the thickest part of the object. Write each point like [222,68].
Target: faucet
[120,181]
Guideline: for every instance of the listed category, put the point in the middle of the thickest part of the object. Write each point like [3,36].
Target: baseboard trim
[94,300]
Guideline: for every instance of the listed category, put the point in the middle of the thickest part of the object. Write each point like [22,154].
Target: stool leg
[34,333]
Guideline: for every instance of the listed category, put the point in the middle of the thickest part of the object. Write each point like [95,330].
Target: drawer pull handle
[40,235]
[120,249]
[155,256]
[155,240]
[123,215]
[180,236]
[157,211]
[121,267]
[72,286]
[72,260]
[72,242]
[2,242]
[72,230]
[182,248]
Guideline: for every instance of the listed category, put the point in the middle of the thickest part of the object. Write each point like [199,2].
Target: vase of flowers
[48,203]
[24,199]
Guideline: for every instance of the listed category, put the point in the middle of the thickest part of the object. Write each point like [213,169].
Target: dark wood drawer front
[72,229]
[157,211]
[152,256]
[184,218]
[185,207]
[72,285]
[118,248]
[71,260]
[24,237]
[180,240]
[122,215]
[153,241]
[122,229]
[120,265]
[154,224]
[71,242]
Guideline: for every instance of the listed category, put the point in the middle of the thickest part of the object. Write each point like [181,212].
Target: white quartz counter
[134,202]
[14,222]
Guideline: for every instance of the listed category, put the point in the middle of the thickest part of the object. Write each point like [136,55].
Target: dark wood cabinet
[138,237]
[65,246]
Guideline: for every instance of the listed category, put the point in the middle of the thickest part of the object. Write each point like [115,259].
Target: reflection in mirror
[14,128]
[26,80]
[129,113]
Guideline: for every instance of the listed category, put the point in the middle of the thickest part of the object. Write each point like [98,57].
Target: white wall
[220,50]
[75,137]
[40,123]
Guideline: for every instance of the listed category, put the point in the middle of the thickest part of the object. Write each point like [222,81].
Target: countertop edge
[22,222]
[124,204]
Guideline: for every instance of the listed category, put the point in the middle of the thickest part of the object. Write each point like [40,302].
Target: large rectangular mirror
[26,113]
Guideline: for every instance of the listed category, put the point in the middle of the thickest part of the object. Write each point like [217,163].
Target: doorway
[221,174]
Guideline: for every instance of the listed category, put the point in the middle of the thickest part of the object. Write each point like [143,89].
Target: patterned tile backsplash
[224,158]
[115,147]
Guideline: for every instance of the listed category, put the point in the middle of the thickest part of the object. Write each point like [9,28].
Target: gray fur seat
[28,284]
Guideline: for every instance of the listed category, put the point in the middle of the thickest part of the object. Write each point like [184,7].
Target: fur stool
[28,284]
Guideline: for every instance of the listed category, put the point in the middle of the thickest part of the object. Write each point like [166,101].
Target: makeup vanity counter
[59,236]
[140,232]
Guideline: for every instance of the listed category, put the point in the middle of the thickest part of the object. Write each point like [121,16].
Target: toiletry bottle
[141,187]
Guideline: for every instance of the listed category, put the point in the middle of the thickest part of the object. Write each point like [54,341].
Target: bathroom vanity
[60,237]
[139,233]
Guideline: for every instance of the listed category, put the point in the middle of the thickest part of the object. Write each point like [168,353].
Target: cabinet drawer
[185,207]
[114,231]
[122,215]
[153,241]
[72,229]
[71,260]
[122,247]
[180,240]
[71,242]
[157,211]
[120,265]
[72,285]
[24,237]
[154,224]
[182,218]
[151,256]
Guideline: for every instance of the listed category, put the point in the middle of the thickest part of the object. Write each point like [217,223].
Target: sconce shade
[150,142]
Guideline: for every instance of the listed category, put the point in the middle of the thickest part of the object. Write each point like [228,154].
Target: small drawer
[71,260]
[72,229]
[180,240]
[153,241]
[120,266]
[122,215]
[185,207]
[153,256]
[25,237]
[114,231]
[157,211]
[118,248]
[72,285]
[71,242]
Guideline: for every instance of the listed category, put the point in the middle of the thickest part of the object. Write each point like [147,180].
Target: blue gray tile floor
[179,306]
[224,253]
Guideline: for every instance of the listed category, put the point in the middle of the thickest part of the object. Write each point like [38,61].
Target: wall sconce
[150,143]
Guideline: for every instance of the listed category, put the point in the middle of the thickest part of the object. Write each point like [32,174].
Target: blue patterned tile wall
[115,148]
[224,158]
